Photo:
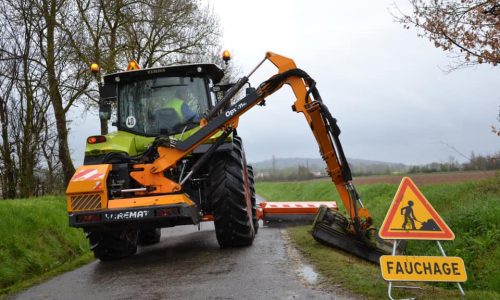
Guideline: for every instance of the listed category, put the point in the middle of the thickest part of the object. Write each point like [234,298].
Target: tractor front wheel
[149,236]
[228,192]
[110,245]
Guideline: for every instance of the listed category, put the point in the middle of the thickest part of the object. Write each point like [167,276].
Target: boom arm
[322,124]
[326,132]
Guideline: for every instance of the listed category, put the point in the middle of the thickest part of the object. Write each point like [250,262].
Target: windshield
[165,105]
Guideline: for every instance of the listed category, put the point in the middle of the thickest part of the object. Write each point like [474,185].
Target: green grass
[471,209]
[36,242]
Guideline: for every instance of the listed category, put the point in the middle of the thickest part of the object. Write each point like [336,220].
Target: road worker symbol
[411,216]
[410,219]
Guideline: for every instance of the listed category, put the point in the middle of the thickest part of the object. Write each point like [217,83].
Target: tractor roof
[196,70]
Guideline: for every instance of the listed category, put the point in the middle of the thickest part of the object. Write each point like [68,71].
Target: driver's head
[181,92]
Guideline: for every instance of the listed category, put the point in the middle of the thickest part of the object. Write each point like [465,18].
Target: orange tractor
[177,159]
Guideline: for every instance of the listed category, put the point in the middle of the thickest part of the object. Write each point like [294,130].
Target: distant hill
[358,166]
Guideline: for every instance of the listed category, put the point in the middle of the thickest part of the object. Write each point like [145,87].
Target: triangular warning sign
[412,217]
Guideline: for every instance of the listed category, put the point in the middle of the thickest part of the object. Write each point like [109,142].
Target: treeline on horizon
[475,163]
[306,172]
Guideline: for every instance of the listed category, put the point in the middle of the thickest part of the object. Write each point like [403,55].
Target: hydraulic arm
[308,101]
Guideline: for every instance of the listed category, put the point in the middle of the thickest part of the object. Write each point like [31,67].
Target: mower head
[330,227]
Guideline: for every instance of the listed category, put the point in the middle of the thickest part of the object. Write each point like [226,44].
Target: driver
[179,104]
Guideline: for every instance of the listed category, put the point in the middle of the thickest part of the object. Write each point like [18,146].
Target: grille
[86,202]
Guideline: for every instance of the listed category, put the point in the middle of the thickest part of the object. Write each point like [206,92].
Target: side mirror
[105,110]
[107,92]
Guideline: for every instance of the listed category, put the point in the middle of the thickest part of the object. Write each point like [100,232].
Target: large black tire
[149,236]
[228,190]
[251,187]
[110,245]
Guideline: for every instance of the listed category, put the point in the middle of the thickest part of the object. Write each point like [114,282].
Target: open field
[322,189]
[420,179]
[471,209]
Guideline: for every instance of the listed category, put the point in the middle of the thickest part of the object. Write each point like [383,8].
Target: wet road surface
[188,264]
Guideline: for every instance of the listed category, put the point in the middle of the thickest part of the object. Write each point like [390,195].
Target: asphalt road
[188,264]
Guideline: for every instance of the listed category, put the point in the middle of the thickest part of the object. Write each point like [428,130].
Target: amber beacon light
[226,56]
[94,68]
[133,65]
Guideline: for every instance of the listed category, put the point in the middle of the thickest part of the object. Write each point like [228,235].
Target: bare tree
[468,30]
[151,31]
[170,31]
[99,39]
[8,171]
[51,167]
[26,103]
[45,51]
[67,79]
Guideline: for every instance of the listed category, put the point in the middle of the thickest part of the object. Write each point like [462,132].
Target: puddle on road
[305,271]
[308,273]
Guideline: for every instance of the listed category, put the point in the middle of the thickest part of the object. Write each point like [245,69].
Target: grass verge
[363,278]
[36,242]
[471,209]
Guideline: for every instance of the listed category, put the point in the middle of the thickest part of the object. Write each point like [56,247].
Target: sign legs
[389,290]
[444,254]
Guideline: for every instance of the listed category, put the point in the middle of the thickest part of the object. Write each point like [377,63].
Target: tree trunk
[62,131]
[26,156]
[55,94]
[9,172]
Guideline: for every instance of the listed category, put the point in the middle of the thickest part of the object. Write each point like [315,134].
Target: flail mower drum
[273,213]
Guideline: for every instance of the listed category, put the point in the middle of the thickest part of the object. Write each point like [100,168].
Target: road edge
[65,267]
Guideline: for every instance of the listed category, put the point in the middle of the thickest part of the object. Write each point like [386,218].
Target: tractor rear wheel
[251,187]
[110,245]
[228,192]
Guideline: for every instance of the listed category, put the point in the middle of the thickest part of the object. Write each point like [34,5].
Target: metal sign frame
[444,233]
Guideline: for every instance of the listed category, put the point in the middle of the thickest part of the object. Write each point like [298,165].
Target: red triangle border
[444,234]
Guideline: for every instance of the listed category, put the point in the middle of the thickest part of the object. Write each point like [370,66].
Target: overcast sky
[385,86]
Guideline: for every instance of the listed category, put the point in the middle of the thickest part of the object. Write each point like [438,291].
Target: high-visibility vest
[175,104]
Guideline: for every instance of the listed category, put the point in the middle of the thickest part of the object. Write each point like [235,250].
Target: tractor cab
[164,101]
[162,105]
[161,101]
